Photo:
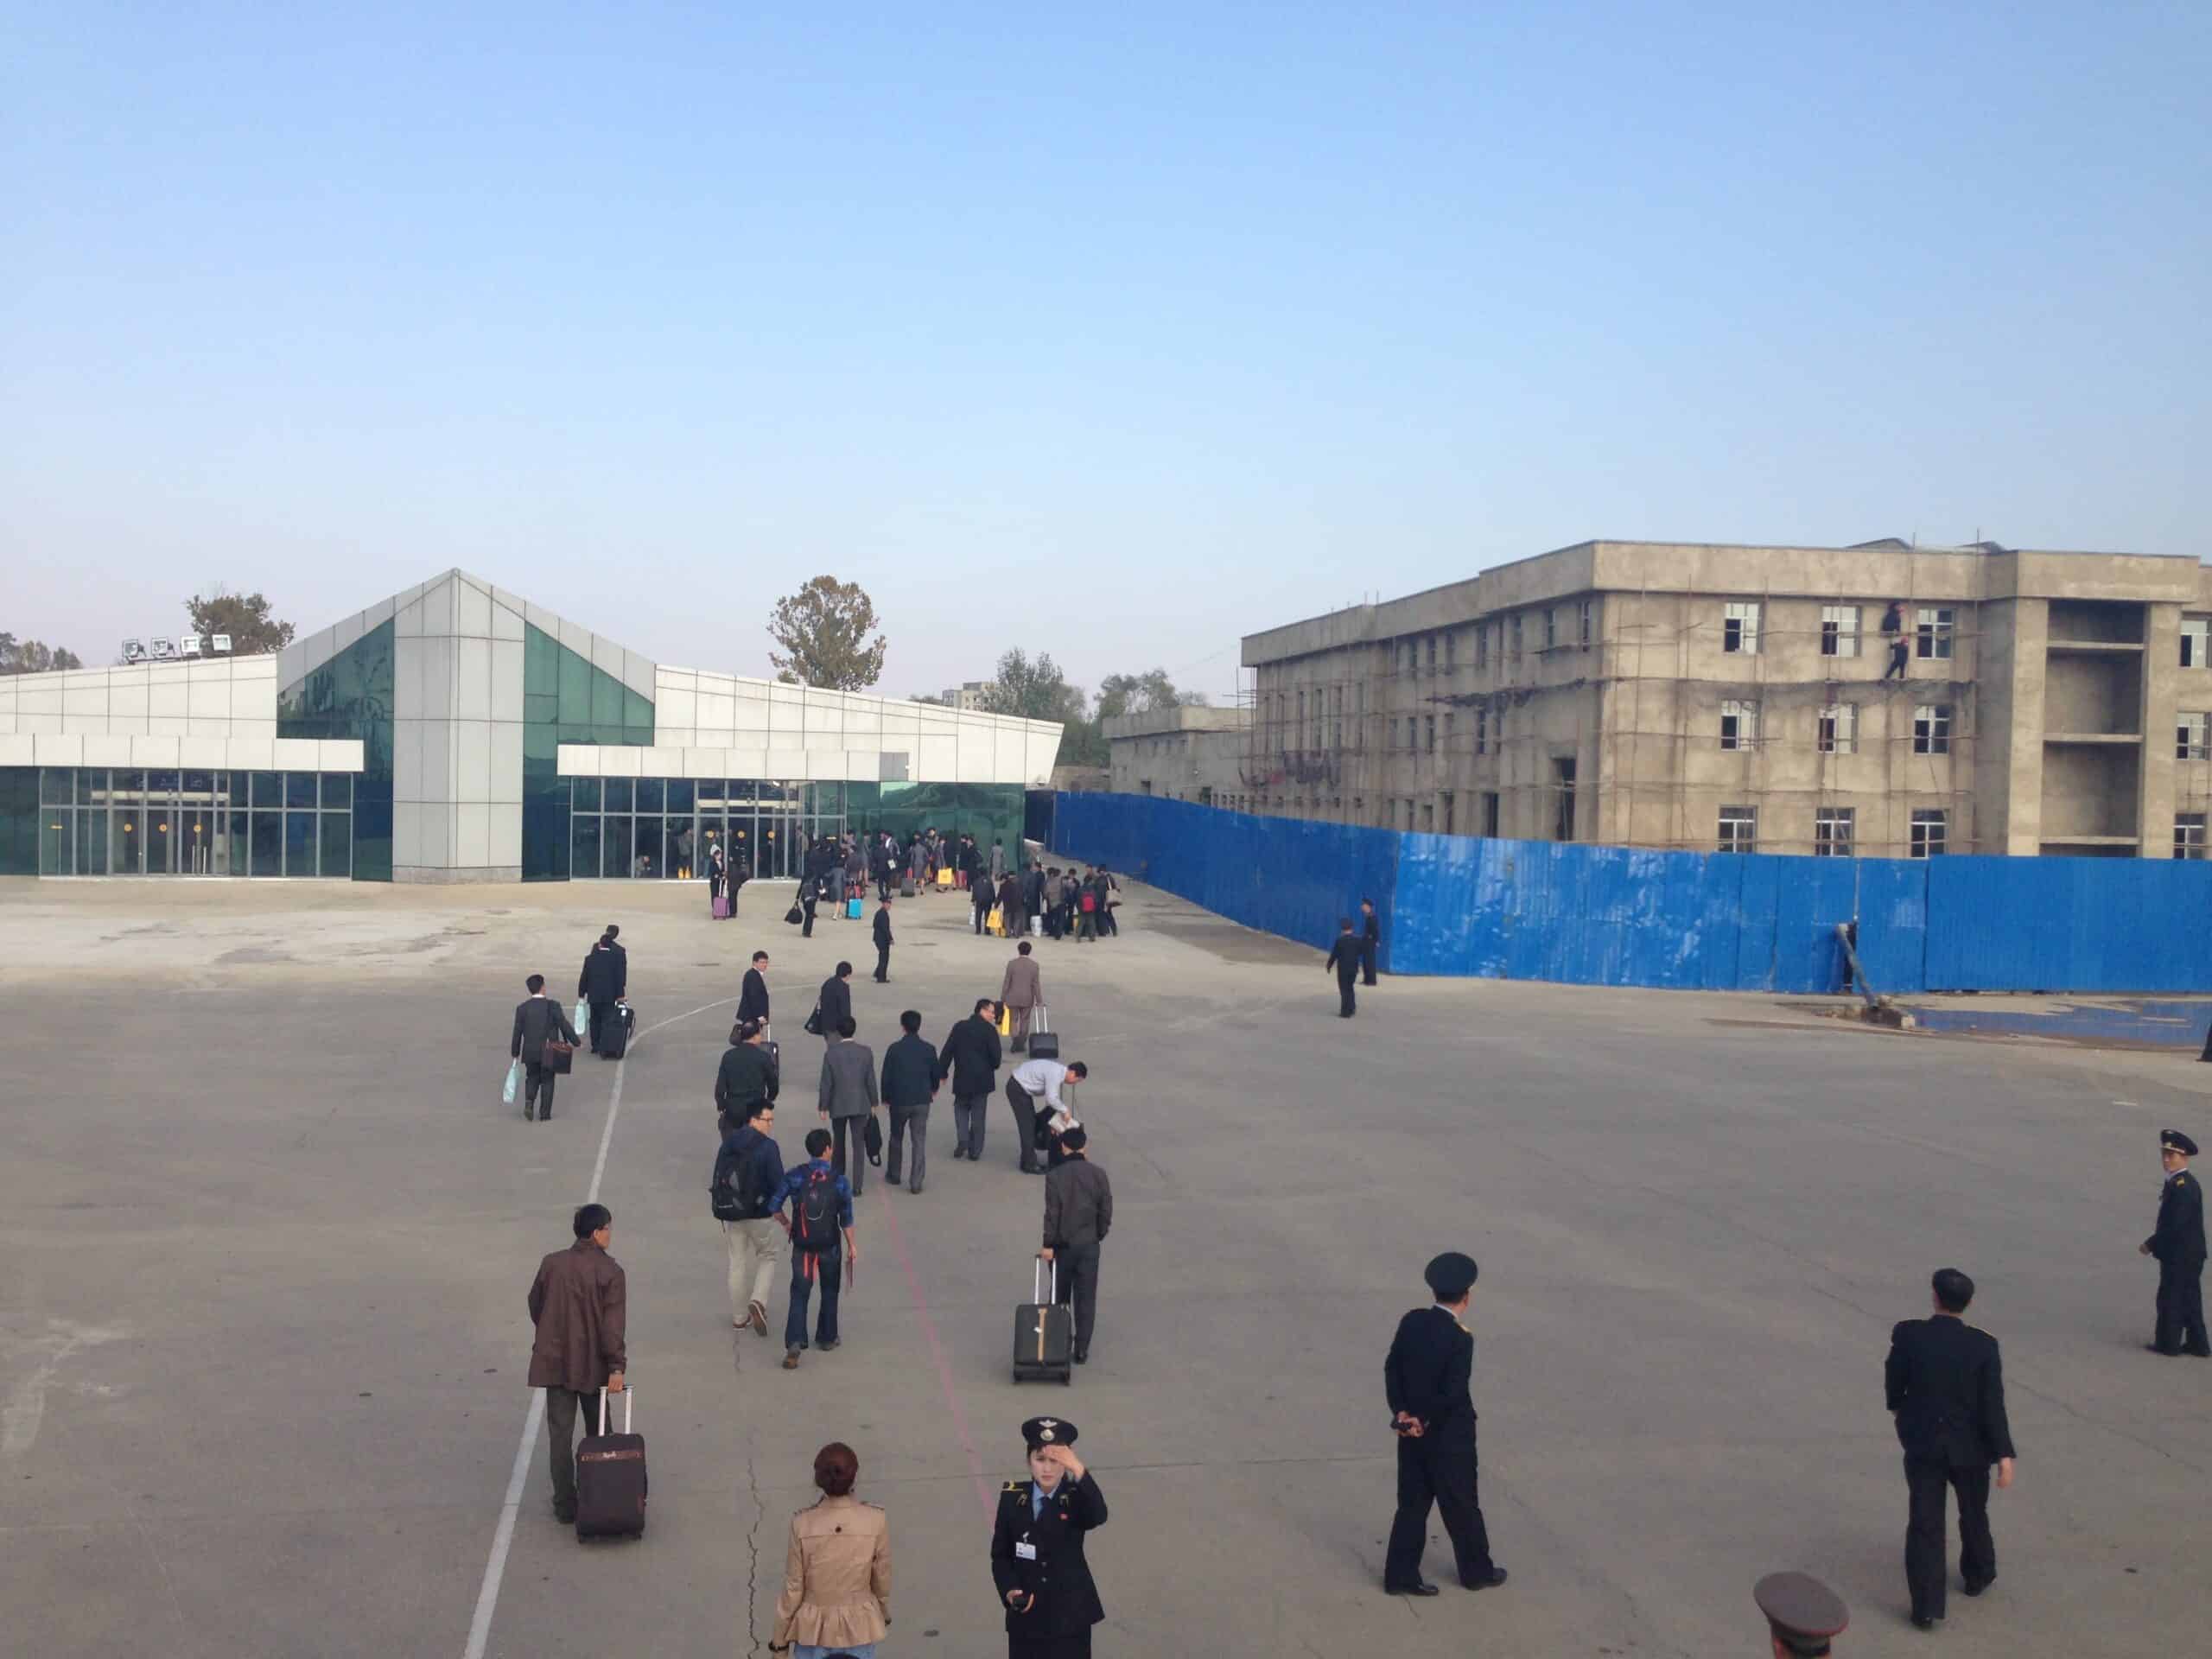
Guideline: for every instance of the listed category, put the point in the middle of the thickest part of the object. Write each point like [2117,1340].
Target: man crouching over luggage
[577,1306]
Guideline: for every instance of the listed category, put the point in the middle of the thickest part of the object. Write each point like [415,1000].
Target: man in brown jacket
[577,1305]
[1022,990]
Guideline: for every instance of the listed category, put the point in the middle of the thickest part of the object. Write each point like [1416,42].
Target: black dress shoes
[1497,1577]
[1419,1587]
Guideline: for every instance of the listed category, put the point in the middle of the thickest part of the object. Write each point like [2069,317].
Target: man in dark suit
[909,1086]
[834,1000]
[1371,940]
[883,940]
[2178,1242]
[970,1059]
[753,994]
[1946,1388]
[537,1018]
[1427,1380]
[604,981]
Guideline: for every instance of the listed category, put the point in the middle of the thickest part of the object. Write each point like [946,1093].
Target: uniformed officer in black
[1433,1413]
[2179,1245]
[1802,1614]
[1036,1561]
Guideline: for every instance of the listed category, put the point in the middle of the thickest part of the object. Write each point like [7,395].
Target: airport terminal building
[457,733]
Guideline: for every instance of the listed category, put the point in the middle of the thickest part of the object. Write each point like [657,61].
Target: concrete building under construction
[1875,699]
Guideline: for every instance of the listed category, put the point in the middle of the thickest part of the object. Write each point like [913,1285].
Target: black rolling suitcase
[611,1479]
[614,1031]
[1044,1333]
[1044,1042]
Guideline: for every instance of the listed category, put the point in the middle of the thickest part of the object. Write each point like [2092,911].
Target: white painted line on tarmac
[503,1535]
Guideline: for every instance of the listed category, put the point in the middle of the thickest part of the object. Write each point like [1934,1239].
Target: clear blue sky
[1119,334]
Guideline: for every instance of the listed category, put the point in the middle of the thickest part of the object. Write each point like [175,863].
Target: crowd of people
[1942,1379]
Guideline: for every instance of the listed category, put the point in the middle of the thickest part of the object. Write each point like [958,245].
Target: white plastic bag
[582,1022]
[514,1076]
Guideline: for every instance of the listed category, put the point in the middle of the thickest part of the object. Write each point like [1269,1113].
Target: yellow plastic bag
[1006,1021]
[995,923]
[945,878]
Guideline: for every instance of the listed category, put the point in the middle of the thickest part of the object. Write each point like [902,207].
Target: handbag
[813,1026]
[1006,1021]
[560,1057]
[794,915]
[872,1136]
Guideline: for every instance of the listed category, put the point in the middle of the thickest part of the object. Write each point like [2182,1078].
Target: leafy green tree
[824,630]
[245,617]
[1148,693]
[1034,688]
[33,657]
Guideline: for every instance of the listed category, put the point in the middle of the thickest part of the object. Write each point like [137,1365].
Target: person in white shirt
[1031,1081]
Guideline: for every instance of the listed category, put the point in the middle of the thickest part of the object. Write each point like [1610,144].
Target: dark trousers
[537,1088]
[830,1267]
[839,1128]
[1926,1479]
[561,1407]
[806,931]
[1347,976]
[1025,1124]
[882,964]
[983,912]
[1108,927]
[1899,653]
[906,1121]
[1439,1469]
[1367,950]
[968,1114]
[1079,1266]
[1087,926]
[2180,1308]
[600,1013]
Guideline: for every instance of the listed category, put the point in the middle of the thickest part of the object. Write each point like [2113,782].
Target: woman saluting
[1037,1549]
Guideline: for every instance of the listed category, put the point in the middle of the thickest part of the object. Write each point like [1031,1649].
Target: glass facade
[104,821]
[566,699]
[665,828]
[351,697]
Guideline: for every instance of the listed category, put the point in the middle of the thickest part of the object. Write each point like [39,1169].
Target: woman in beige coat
[837,1594]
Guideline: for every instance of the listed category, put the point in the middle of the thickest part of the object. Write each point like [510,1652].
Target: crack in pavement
[753,1555]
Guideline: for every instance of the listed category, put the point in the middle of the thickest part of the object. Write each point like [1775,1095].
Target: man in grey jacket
[847,1096]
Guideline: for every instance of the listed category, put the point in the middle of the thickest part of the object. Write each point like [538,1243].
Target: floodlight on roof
[188,645]
[134,651]
[164,650]
[219,643]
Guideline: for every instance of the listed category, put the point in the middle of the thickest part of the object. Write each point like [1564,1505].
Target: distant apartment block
[1180,755]
[1875,699]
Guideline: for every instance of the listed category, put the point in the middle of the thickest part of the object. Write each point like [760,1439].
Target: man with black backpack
[748,1175]
[821,1204]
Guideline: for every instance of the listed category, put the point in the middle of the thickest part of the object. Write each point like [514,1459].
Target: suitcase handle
[1036,1281]
[605,1427]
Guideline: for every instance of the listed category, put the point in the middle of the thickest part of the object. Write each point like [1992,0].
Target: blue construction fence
[1462,905]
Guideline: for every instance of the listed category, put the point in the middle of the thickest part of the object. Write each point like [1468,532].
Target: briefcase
[1044,1333]
[611,1479]
[560,1057]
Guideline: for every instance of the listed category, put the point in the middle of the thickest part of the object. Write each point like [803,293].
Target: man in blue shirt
[821,1205]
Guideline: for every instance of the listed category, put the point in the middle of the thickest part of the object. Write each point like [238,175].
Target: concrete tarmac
[269,1228]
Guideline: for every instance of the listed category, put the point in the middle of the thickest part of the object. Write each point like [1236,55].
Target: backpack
[1090,900]
[814,1211]
[735,1193]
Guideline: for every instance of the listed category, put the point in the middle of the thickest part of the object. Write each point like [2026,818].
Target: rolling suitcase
[906,888]
[1043,1041]
[611,1479]
[1044,1334]
[852,910]
[614,1031]
[721,908]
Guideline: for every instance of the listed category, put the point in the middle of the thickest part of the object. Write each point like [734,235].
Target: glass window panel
[646,850]
[298,843]
[586,798]
[299,789]
[576,689]
[126,847]
[614,848]
[637,715]
[91,842]
[712,791]
[606,701]
[338,844]
[240,824]
[619,794]
[127,786]
[653,794]
[680,842]
[161,855]
[56,785]
[55,839]
[680,793]
[197,788]
[91,785]
[337,790]
[585,846]
[161,785]
[195,843]
[268,842]
[268,788]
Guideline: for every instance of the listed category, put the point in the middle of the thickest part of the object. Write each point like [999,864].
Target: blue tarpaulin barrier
[1460,904]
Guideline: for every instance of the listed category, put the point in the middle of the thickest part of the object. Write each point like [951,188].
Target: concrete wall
[215,714]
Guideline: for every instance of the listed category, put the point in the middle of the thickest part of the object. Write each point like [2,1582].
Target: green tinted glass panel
[638,715]
[585,794]
[20,821]
[607,695]
[575,688]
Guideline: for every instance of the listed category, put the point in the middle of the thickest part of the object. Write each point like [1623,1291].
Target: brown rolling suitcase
[611,1479]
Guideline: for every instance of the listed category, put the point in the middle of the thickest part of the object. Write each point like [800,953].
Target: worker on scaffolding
[1893,630]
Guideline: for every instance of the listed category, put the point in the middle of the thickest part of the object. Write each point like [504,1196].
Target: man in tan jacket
[577,1304]
[1022,991]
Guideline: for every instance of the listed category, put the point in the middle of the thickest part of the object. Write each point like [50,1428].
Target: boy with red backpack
[820,1201]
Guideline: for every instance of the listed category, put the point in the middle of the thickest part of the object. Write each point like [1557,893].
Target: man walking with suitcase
[604,981]
[578,1305]
[1021,990]
[539,1021]
[970,1060]
[1078,1214]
